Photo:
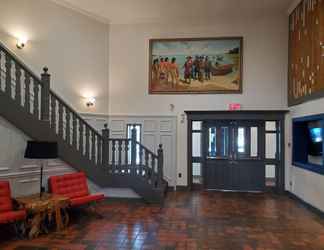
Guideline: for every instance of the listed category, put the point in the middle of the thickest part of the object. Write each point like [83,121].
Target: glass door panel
[212,146]
[224,142]
[241,140]
[247,140]
[254,141]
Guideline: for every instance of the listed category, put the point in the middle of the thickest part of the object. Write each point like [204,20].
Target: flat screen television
[316,141]
[316,135]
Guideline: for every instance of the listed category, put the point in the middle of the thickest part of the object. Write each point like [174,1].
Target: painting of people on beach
[197,66]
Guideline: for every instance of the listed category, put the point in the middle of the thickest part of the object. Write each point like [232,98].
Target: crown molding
[82,11]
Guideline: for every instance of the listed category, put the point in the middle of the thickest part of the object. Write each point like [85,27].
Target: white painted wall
[264,79]
[23,174]
[72,45]
[307,185]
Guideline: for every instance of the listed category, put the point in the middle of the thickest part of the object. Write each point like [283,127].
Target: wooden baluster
[27,92]
[146,162]
[153,174]
[8,75]
[133,150]
[45,94]
[80,136]
[120,153]
[113,154]
[68,126]
[36,102]
[87,145]
[141,152]
[126,152]
[105,146]
[74,132]
[18,84]
[60,125]
[160,166]
[53,113]
[99,148]
[93,146]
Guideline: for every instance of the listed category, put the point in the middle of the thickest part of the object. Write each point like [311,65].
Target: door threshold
[235,191]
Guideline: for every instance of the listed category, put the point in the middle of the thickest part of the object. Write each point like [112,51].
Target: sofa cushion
[5,197]
[11,216]
[70,185]
[86,199]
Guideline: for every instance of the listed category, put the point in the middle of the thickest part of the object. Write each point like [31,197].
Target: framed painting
[196,66]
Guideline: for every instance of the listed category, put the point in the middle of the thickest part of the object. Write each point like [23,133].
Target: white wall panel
[155,130]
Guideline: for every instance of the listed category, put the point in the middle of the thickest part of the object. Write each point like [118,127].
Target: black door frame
[265,115]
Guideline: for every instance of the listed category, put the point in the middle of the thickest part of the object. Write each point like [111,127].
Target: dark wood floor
[197,220]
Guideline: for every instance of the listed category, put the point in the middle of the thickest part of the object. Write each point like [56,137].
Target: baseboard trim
[306,204]
[178,188]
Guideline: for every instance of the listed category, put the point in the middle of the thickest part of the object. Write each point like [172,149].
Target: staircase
[27,101]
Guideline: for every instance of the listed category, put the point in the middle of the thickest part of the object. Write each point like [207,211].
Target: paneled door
[234,155]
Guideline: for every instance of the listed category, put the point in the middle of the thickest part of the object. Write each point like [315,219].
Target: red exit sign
[235,106]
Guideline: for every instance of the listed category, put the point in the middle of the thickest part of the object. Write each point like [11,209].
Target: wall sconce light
[21,43]
[90,102]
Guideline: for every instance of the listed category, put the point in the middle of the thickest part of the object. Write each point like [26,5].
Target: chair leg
[94,209]
[20,229]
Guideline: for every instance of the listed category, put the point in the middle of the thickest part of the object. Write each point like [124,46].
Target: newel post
[105,146]
[160,166]
[133,149]
[45,95]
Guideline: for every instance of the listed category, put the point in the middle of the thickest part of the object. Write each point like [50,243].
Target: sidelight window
[241,140]
[138,131]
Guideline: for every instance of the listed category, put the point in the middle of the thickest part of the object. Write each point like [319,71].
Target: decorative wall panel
[306,52]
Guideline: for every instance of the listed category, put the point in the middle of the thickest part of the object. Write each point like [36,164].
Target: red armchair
[75,187]
[7,212]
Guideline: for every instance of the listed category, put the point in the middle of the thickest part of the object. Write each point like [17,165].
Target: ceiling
[134,11]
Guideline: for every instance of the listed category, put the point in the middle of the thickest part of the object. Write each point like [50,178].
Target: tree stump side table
[39,209]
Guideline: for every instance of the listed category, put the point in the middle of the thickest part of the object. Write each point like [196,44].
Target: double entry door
[234,155]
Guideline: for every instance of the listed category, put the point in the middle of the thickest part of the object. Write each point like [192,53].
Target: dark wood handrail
[20,62]
[146,149]
[75,113]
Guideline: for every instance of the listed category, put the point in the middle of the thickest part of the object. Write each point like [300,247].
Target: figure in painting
[188,70]
[162,70]
[156,70]
[195,67]
[167,65]
[201,69]
[174,72]
[208,67]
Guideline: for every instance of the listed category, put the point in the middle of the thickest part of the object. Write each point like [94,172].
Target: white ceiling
[130,11]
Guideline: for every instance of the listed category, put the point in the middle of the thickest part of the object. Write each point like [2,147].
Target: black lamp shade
[41,150]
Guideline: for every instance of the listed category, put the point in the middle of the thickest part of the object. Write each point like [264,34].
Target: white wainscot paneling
[150,126]
[149,141]
[96,121]
[155,130]
[166,126]
[168,149]
[117,126]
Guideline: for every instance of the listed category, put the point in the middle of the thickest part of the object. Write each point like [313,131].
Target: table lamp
[43,151]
